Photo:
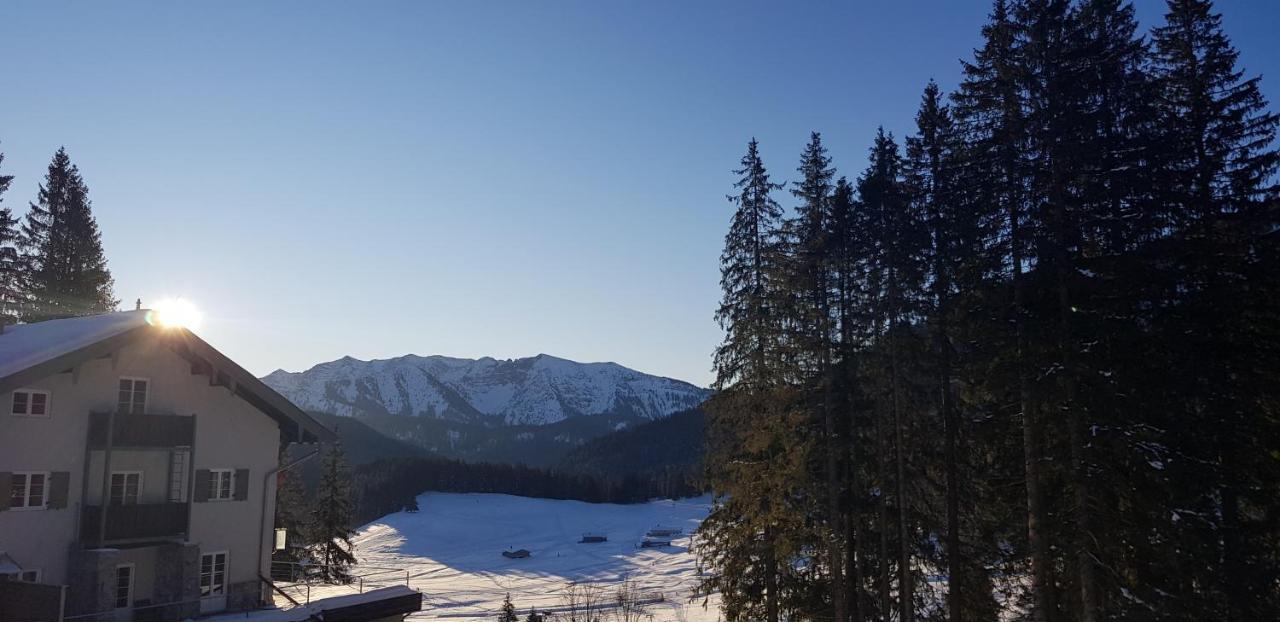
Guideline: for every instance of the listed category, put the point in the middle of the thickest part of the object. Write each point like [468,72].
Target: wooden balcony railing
[133,522]
[142,430]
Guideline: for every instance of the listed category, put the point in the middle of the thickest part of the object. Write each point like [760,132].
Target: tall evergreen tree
[508,612]
[811,340]
[991,109]
[930,169]
[750,467]
[1220,314]
[332,516]
[896,278]
[66,267]
[1087,204]
[10,268]
[847,255]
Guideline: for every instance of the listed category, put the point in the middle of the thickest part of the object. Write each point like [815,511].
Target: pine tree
[508,613]
[850,255]
[1220,164]
[66,268]
[10,268]
[1087,204]
[748,271]
[332,516]
[744,538]
[809,281]
[930,163]
[991,110]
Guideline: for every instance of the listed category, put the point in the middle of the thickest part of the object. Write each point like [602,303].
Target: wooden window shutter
[59,484]
[201,493]
[6,485]
[242,484]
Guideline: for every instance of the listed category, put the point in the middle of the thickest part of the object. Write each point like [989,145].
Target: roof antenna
[138,305]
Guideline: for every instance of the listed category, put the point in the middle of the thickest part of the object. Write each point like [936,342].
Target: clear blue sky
[461,178]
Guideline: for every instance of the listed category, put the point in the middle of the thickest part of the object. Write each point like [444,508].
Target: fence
[295,580]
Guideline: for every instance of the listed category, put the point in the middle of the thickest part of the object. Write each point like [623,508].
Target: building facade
[137,468]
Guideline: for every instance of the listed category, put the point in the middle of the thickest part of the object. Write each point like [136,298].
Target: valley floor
[452,548]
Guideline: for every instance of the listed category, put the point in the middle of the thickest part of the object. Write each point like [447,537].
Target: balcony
[126,523]
[142,430]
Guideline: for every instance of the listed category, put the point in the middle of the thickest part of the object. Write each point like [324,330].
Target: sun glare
[176,313]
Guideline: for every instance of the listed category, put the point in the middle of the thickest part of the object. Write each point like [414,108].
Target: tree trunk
[1084,558]
[854,560]
[950,422]
[853,526]
[1232,566]
[906,600]
[834,529]
[882,462]
[770,578]
[1032,453]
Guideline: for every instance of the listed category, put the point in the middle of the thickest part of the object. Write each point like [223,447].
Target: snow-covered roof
[32,351]
[24,346]
[7,565]
[317,608]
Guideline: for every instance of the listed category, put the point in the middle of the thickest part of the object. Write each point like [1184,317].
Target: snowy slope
[452,551]
[535,391]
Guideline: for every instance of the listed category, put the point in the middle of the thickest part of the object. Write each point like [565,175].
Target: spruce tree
[847,255]
[66,267]
[809,281]
[10,268]
[744,538]
[897,273]
[930,163]
[331,518]
[1220,165]
[508,612]
[1085,206]
[992,113]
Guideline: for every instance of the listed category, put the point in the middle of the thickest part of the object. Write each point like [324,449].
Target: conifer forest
[1022,362]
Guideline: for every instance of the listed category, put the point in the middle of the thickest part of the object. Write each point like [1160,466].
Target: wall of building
[230,433]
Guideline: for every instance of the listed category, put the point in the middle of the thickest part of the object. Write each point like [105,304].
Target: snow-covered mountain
[528,391]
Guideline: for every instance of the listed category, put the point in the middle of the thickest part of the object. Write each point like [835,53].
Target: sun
[176,313]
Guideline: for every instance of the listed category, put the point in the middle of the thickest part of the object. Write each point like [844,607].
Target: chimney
[137,306]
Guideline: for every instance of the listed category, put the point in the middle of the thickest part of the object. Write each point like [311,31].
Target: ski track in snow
[452,552]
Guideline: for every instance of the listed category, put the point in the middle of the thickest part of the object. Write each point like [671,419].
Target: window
[28,490]
[221,485]
[124,585]
[133,396]
[178,460]
[125,487]
[30,403]
[29,576]
[213,574]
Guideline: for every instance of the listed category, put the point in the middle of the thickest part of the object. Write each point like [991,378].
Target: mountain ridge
[536,390]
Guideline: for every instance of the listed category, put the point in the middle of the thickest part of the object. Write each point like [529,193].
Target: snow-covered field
[451,550]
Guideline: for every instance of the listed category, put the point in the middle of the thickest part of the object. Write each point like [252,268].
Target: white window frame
[226,568]
[48,400]
[124,486]
[115,587]
[146,394]
[34,573]
[216,478]
[26,496]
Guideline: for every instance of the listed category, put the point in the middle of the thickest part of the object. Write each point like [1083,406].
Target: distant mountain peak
[529,391]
